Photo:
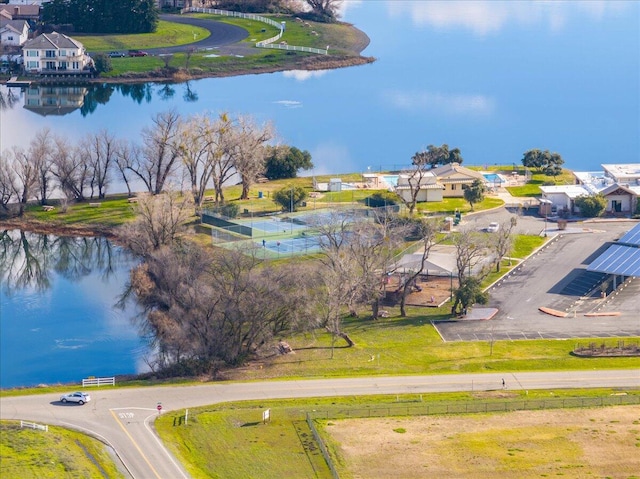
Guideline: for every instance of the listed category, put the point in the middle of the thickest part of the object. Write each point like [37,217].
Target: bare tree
[427,230]
[326,10]
[126,155]
[159,220]
[503,240]
[69,165]
[471,249]
[248,151]
[26,176]
[8,184]
[157,161]
[101,147]
[200,145]
[40,156]
[417,180]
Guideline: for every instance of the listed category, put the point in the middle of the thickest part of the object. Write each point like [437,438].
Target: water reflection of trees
[8,98]
[27,259]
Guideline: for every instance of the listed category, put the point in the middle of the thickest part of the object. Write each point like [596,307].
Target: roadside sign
[159,407]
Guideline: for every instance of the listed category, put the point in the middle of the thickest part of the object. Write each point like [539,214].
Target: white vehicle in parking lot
[493,227]
[78,397]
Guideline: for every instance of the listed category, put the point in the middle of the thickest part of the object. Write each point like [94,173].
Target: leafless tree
[471,249]
[26,176]
[417,179]
[427,230]
[8,184]
[101,147]
[207,309]
[503,240]
[248,151]
[325,9]
[200,145]
[157,161]
[69,165]
[159,220]
[40,157]
[126,155]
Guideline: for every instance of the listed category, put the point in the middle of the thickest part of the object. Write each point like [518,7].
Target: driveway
[221,35]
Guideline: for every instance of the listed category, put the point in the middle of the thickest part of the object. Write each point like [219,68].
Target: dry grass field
[569,443]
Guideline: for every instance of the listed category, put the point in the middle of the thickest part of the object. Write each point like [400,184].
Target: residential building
[31,13]
[562,197]
[427,185]
[55,54]
[13,34]
[456,179]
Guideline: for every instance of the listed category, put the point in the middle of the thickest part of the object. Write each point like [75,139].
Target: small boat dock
[14,82]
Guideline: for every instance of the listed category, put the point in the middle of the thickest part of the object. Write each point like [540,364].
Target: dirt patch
[428,291]
[574,443]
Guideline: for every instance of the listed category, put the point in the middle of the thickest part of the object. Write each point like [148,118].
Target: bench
[48,208]
[208,198]
[94,205]
[132,200]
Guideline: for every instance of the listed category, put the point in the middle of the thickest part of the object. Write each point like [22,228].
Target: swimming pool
[391,180]
[494,178]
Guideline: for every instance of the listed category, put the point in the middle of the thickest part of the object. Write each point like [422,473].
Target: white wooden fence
[33,425]
[269,42]
[98,382]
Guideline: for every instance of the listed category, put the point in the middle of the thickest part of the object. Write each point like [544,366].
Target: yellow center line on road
[134,443]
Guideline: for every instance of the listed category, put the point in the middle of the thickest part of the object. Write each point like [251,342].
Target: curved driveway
[123,417]
[221,34]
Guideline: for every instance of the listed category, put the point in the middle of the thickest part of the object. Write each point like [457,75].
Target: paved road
[124,418]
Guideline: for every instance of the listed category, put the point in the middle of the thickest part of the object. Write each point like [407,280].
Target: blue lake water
[491,78]
[58,322]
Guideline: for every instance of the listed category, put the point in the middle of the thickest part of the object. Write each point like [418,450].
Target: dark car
[137,53]
[117,54]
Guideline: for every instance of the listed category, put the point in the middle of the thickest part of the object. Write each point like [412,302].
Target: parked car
[77,397]
[117,54]
[493,227]
[137,53]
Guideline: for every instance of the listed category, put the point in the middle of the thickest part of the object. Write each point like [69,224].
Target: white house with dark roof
[55,53]
[425,185]
[13,33]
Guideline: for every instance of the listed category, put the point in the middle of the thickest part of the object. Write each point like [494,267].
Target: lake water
[491,78]
[58,322]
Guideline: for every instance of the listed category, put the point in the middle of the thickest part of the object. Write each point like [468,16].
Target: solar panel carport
[623,258]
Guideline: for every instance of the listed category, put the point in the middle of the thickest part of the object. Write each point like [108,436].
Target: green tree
[591,205]
[378,199]
[290,197]
[469,293]
[437,155]
[474,193]
[285,161]
[545,161]
[102,63]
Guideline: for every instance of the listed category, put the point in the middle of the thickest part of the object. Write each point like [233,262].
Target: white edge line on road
[135,444]
[161,446]
[102,439]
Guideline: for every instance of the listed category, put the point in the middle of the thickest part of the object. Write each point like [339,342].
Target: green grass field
[56,453]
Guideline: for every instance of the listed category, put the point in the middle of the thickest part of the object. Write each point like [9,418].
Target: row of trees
[201,150]
[103,16]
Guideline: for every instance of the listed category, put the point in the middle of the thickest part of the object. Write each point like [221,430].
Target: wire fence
[464,407]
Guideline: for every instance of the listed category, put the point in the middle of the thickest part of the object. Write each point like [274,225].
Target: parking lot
[555,277]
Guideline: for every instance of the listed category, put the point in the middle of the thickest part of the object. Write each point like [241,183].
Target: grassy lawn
[532,188]
[113,211]
[54,454]
[168,34]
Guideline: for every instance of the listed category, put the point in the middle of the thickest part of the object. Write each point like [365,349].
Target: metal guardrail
[269,42]
[99,381]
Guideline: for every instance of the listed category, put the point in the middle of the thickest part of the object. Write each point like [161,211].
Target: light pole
[290,218]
